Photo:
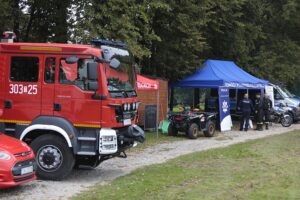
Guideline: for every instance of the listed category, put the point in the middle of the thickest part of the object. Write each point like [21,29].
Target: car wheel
[172,131]
[54,158]
[193,131]
[210,130]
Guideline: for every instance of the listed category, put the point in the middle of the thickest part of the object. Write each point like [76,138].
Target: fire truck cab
[73,104]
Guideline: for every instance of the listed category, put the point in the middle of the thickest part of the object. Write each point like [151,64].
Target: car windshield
[287,93]
[121,79]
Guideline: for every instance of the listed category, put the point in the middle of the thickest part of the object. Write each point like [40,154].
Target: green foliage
[171,38]
[121,20]
[37,20]
[5,15]
[181,32]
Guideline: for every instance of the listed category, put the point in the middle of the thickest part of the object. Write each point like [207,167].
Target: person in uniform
[246,107]
[267,106]
[258,107]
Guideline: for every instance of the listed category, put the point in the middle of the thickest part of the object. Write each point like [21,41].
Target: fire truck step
[86,153]
[10,129]
[86,139]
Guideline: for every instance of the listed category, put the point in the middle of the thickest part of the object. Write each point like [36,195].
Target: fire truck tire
[193,131]
[54,158]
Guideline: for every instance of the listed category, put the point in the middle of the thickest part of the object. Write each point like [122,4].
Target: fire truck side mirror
[92,70]
[114,63]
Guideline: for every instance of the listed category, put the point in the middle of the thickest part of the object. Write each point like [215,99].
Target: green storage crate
[163,127]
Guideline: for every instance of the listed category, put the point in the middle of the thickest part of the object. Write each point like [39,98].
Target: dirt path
[111,169]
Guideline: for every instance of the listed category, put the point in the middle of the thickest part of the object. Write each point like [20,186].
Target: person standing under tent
[246,107]
[267,106]
[258,106]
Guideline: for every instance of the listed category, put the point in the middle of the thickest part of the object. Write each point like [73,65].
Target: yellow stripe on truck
[87,125]
[15,121]
[31,48]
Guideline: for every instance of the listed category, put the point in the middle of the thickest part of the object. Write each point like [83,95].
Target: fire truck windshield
[120,79]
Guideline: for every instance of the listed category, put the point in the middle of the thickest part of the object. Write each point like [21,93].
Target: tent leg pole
[171,98]
[196,97]
[157,114]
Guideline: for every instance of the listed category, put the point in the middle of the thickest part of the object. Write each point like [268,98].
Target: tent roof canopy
[218,73]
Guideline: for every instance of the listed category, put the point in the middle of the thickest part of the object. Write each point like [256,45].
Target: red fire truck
[74,104]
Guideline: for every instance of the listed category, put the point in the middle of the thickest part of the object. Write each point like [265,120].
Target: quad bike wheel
[211,128]
[193,131]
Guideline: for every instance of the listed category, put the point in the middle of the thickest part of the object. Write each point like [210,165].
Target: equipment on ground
[191,123]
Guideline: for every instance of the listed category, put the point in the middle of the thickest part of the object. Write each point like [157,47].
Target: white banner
[270,91]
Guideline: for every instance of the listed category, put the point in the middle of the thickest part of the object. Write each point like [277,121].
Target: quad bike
[191,123]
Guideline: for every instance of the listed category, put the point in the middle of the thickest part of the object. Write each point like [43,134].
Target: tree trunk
[16,18]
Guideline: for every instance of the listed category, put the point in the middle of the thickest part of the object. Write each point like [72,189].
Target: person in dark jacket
[259,115]
[246,107]
[267,106]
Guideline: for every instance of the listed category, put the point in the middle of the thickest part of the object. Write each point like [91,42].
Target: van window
[277,95]
[49,73]
[74,74]
[24,69]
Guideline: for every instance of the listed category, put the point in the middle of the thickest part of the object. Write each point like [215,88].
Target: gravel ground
[82,179]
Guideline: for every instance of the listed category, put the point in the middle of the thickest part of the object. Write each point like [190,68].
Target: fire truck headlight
[126,106]
[133,106]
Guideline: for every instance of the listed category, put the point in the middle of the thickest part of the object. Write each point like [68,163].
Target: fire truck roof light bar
[98,42]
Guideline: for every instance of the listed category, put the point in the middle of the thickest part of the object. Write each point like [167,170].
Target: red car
[17,163]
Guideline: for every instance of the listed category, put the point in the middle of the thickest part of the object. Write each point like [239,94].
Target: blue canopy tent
[222,75]
[219,73]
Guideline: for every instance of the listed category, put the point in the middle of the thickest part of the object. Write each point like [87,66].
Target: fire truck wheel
[193,131]
[54,158]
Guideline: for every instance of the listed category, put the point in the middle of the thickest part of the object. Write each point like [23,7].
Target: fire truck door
[22,96]
[49,67]
[73,99]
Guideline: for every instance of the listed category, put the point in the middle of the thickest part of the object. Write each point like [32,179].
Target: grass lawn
[267,168]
